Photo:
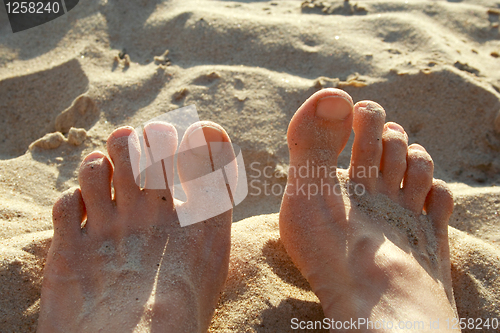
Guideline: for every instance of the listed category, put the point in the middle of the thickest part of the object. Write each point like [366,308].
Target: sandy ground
[433,65]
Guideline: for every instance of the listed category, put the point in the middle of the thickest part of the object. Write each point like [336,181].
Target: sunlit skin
[360,266]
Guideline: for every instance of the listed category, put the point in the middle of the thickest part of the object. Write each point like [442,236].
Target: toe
[393,164]
[320,128]
[313,208]
[95,183]
[124,150]
[161,141]
[67,215]
[368,126]
[201,174]
[439,206]
[418,178]
[317,133]
[222,153]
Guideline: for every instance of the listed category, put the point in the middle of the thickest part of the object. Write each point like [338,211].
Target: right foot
[375,255]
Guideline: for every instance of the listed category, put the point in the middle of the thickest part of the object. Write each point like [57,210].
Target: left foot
[132,266]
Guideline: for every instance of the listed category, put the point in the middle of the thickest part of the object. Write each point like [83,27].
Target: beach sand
[248,65]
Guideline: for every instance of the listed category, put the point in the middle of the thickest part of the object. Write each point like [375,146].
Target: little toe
[124,149]
[161,141]
[439,207]
[418,178]
[203,180]
[368,126]
[95,182]
[67,215]
[393,164]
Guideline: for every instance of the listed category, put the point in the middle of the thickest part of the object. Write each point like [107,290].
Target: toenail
[119,133]
[333,108]
[159,132]
[93,156]
[158,127]
[370,107]
[395,127]
[417,147]
[206,134]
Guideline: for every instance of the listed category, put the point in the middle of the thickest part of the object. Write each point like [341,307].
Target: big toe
[320,129]
[206,165]
[317,133]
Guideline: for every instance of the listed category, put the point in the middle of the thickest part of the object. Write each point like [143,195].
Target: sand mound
[21,266]
[264,290]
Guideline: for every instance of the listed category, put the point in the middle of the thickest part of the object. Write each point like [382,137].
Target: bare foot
[132,267]
[358,235]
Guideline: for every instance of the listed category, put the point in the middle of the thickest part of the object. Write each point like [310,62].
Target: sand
[65,85]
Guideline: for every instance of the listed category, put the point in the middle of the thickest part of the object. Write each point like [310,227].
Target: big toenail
[206,134]
[333,108]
